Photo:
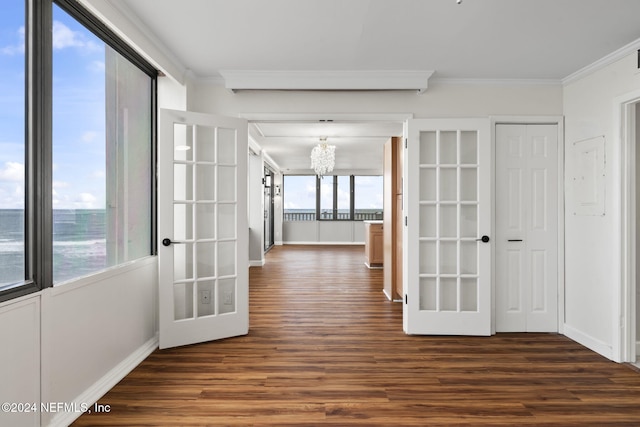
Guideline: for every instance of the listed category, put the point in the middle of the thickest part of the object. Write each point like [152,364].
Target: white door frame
[314,117]
[624,308]
[534,120]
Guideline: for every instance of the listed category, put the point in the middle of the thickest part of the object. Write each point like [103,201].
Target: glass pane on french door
[204,221]
[448,209]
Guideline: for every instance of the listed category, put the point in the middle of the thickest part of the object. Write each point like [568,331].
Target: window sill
[73,284]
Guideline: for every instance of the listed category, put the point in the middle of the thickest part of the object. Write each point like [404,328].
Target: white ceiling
[359,145]
[477,39]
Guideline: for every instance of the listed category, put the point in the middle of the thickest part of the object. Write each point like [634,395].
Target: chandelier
[323,157]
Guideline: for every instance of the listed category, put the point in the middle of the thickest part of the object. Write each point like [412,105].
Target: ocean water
[11,246]
[79,244]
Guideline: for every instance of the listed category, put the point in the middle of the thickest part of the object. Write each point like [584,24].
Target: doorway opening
[635,138]
[285,141]
[626,336]
[269,192]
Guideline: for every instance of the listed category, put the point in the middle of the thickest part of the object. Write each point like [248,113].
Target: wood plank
[325,347]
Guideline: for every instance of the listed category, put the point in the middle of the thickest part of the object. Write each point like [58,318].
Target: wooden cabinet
[393,218]
[373,244]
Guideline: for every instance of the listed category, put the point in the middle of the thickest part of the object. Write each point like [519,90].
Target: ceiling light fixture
[323,157]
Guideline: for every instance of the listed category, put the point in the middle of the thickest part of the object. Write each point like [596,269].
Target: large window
[12,143]
[299,196]
[86,171]
[101,153]
[333,197]
[368,197]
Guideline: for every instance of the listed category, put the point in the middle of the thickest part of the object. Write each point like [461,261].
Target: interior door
[202,228]
[526,228]
[447,183]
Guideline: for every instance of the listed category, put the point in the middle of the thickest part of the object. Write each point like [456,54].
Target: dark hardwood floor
[325,347]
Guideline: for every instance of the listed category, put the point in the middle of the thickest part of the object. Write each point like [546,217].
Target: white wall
[20,358]
[593,242]
[256,210]
[323,232]
[441,100]
[171,94]
[72,343]
[95,331]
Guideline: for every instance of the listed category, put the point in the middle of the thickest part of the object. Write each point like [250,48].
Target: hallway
[325,347]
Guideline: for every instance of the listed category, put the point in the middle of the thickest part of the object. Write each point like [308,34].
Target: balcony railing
[328,215]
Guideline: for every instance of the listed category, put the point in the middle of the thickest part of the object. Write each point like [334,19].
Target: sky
[79,123]
[78,118]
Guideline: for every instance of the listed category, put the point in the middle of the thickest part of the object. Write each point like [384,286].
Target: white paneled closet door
[526,238]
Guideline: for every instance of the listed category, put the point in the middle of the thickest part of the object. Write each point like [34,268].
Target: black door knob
[166,242]
[484,239]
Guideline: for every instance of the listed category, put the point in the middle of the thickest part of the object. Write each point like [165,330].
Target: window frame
[38,209]
[334,210]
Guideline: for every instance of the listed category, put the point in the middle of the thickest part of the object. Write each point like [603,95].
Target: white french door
[447,182]
[202,228]
[526,228]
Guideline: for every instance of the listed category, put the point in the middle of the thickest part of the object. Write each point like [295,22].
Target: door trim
[306,117]
[533,120]
[624,306]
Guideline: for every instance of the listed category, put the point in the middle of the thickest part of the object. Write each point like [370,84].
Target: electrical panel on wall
[590,177]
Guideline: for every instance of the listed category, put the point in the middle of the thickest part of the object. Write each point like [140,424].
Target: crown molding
[268,160]
[326,80]
[603,62]
[119,18]
[213,80]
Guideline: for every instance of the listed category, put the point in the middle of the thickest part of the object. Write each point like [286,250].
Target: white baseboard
[106,383]
[256,263]
[588,341]
[637,350]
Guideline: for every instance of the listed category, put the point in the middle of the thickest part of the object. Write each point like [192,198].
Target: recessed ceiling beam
[326,80]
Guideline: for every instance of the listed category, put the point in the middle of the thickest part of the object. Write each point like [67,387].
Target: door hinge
[406,299]
[405,143]
[405,221]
